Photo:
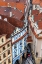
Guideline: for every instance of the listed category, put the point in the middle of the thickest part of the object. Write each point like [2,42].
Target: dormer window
[4,48]
[2,40]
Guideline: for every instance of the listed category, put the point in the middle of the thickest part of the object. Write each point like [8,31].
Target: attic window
[2,40]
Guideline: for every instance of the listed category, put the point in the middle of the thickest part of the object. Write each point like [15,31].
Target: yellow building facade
[5,50]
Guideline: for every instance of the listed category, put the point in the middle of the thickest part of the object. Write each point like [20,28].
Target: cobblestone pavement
[28,61]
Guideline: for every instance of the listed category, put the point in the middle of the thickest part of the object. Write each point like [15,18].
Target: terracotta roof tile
[34,12]
[38,17]
[41,4]
[35,1]
[19,5]
[15,13]
[40,24]
[6,28]
[14,22]
[22,1]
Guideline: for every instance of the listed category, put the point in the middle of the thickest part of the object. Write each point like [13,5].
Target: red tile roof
[15,13]
[16,22]
[37,2]
[38,17]
[40,24]
[22,1]
[6,28]
[13,21]
[34,12]
[41,3]
[3,35]
[20,5]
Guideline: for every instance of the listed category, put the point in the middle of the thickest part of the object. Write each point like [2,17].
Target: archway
[17,62]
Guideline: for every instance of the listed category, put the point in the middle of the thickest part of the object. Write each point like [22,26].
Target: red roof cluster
[15,20]
[38,19]
[37,2]
[6,28]
[14,3]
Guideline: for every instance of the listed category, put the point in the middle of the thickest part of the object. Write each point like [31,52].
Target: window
[4,48]
[19,35]
[20,43]
[4,62]
[4,55]
[36,54]
[15,46]
[0,58]
[9,61]
[15,55]
[8,45]
[20,51]
[2,40]
[8,52]
[35,6]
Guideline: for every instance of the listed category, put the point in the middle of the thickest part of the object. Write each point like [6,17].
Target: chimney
[3,0]
[8,4]
[10,14]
